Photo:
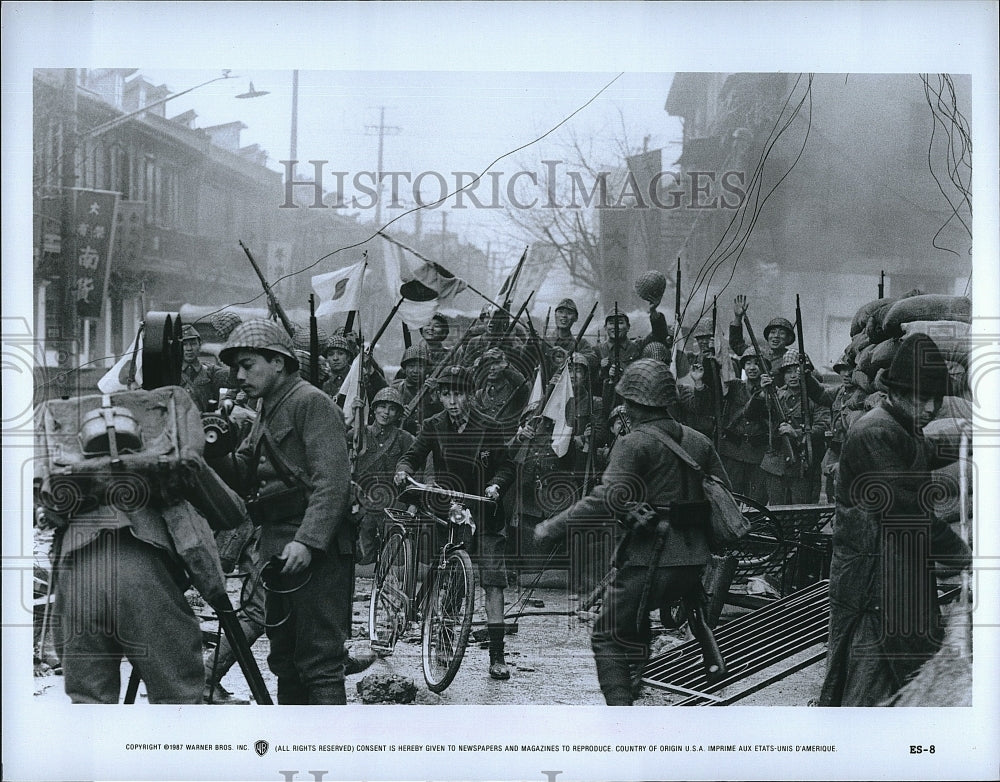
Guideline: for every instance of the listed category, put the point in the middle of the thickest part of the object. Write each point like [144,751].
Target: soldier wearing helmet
[470,456]
[340,352]
[888,554]
[619,350]
[659,565]
[385,444]
[790,478]
[414,367]
[202,381]
[294,470]
[501,390]
[779,333]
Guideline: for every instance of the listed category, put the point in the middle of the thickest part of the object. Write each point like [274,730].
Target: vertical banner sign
[130,229]
[92,237]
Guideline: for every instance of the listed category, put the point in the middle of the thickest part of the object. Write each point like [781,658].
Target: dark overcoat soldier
[655,566]
[745,430]
[294,468]
[202,381]
[470,456]
[885,618]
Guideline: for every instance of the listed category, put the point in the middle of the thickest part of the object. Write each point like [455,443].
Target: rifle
[313,343]
[273,304]
[803,393]
[881,284]
[548,315]
[716,378]
[772,393]
[522,453]
[537,343]
[517,317]
[677,314]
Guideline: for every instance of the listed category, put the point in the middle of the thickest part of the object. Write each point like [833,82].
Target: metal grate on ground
[752,643]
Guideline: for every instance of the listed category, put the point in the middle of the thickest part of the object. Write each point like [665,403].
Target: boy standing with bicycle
[470,456]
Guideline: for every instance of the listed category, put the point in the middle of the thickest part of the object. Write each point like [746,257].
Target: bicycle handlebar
[430,489]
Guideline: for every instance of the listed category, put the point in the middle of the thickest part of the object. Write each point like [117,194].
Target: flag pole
[427,260]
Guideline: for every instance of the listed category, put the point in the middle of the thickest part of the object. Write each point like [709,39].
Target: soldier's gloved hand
[765,380]
[740,306]
[492,491]
[400,477]
[297,558]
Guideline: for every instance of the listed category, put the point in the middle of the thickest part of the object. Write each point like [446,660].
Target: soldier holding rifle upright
[778,335]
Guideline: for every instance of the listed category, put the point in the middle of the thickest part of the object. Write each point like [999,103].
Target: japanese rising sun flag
[339,291]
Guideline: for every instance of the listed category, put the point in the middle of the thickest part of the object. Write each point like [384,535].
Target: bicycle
[442,599]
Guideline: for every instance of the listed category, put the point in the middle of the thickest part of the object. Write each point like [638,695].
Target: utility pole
[378,249]
[294,145]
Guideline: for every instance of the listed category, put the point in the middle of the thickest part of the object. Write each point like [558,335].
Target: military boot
[498,667]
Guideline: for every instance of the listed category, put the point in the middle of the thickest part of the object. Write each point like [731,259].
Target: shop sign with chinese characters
[92,233]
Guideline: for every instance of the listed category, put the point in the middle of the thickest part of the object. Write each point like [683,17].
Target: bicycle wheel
[448,620]
[764,547]
[389,605]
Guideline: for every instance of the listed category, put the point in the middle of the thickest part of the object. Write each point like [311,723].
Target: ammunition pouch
[277,506]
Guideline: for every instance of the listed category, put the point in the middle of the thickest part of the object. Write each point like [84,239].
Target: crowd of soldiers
[319,460]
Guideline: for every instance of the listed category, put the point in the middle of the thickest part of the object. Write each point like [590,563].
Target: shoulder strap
[676,447]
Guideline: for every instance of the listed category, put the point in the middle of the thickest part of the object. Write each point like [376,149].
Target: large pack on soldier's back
[129,448]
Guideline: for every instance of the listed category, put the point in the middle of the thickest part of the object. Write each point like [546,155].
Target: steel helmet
[301,338]
[581,360]
[648,382]
[259,335]
[389,394]
[658,351]
[224,323]
[568,304]
[790,359]
[748,353]
[340,342]
[783,324]
[414,353]
[703,329]
[650,286]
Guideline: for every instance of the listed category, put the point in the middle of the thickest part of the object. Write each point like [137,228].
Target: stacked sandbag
[879,326]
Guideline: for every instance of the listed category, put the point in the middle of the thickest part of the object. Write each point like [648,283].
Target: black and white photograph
[478,368]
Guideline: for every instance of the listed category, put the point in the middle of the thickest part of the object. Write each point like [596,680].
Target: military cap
[414,353]
[658,351]
[568,304]
[389,394]
[491,355]
[650,286]
[621,315]
[919,366]
[189,332]
[648,382]
[457,378]
[258,335]
[339,342]
[781,323]
[224,323]
[305,366]
[841,363]
[748,353]
[443,320]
